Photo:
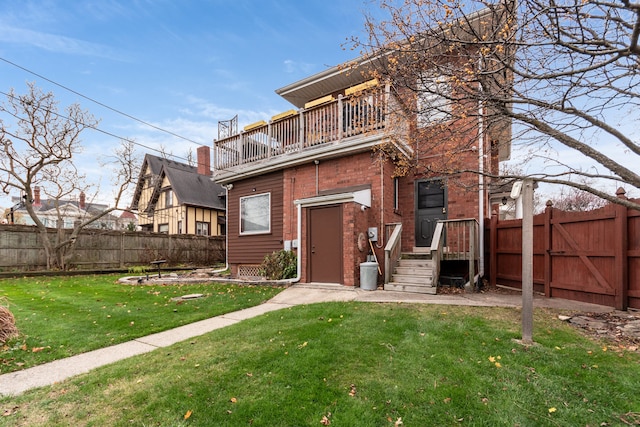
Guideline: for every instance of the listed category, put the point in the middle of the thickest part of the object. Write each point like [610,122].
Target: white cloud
[291,66]
[56,43]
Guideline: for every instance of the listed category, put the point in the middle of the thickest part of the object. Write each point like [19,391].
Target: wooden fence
[21,249]
[589,256]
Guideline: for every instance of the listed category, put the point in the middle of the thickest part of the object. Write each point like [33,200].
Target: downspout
[226,235]
[299,260]
[380,243]
[481,196]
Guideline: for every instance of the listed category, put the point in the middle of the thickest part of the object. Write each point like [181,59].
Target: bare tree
[38,145]
[574,200]
[557,80]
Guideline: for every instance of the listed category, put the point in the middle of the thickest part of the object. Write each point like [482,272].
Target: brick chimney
[82,202]
[36,196]
[204,160]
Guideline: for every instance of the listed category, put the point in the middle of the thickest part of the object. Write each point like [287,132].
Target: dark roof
[190,187]
[194,189]
[50,204]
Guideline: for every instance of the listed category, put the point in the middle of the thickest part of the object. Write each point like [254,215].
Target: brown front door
[325,244]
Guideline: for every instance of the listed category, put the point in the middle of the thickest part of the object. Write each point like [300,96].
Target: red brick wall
[341,175]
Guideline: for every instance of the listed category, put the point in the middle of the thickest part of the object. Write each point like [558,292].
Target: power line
[104,131]
[100,103]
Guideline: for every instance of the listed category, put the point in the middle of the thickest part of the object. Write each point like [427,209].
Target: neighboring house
[128,221]
[71,212]
[176,198]
[312,180]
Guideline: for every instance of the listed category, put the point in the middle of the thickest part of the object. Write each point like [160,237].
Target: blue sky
[179,65]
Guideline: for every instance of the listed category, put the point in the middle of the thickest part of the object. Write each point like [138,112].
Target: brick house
[177,198]
[314,180]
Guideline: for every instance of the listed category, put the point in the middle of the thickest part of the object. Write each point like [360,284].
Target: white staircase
[414,273]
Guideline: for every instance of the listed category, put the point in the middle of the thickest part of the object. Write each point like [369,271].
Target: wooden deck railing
[330,122]
[392,251]
[455,240]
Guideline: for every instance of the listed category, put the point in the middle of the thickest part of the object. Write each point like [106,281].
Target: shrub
[279,265]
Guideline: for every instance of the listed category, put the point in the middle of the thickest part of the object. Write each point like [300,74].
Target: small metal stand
[158,263]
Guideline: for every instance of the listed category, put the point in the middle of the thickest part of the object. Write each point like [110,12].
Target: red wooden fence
[589,256]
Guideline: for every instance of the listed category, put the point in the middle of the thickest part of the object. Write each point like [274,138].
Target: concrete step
[413,288]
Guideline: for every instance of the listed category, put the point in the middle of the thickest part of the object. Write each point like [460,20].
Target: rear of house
[344,178]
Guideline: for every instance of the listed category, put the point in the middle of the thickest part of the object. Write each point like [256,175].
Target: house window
[179,227]
[255,214]
[168,198]
[202,228]
[163,228]
[433,100]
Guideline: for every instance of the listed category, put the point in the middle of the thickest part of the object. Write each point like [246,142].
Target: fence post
[621,253]
[493,256]
[548,216]
[122,250]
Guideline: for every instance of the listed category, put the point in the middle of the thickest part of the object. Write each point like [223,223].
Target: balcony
[325,127]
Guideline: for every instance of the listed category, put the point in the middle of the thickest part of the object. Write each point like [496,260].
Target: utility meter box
[372,233]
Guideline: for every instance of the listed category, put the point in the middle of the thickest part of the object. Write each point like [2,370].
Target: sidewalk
[42,375]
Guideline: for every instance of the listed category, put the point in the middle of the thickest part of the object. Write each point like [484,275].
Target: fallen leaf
[8,412]
[325,421]
[447,399]
[498,365]
[492,359]
[352,392]
[398,422]
[304,344]
[187,415]
[233,400]
[37,349]
[552,410]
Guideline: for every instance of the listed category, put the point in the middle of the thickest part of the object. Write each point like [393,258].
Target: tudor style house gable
[177,198]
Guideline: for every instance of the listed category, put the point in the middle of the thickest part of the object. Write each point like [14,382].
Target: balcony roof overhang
[328,81]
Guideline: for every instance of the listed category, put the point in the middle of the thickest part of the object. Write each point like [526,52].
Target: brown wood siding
[252,249]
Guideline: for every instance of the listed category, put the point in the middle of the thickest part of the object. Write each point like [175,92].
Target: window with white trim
[202,228]
[255,214]
[433,100]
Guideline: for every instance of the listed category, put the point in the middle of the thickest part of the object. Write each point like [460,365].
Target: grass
[63,316]
[356,364]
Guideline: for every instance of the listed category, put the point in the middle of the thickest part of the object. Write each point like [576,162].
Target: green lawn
[62,316]
[356,364]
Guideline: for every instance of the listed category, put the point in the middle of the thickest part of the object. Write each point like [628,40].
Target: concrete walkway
[43,375]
